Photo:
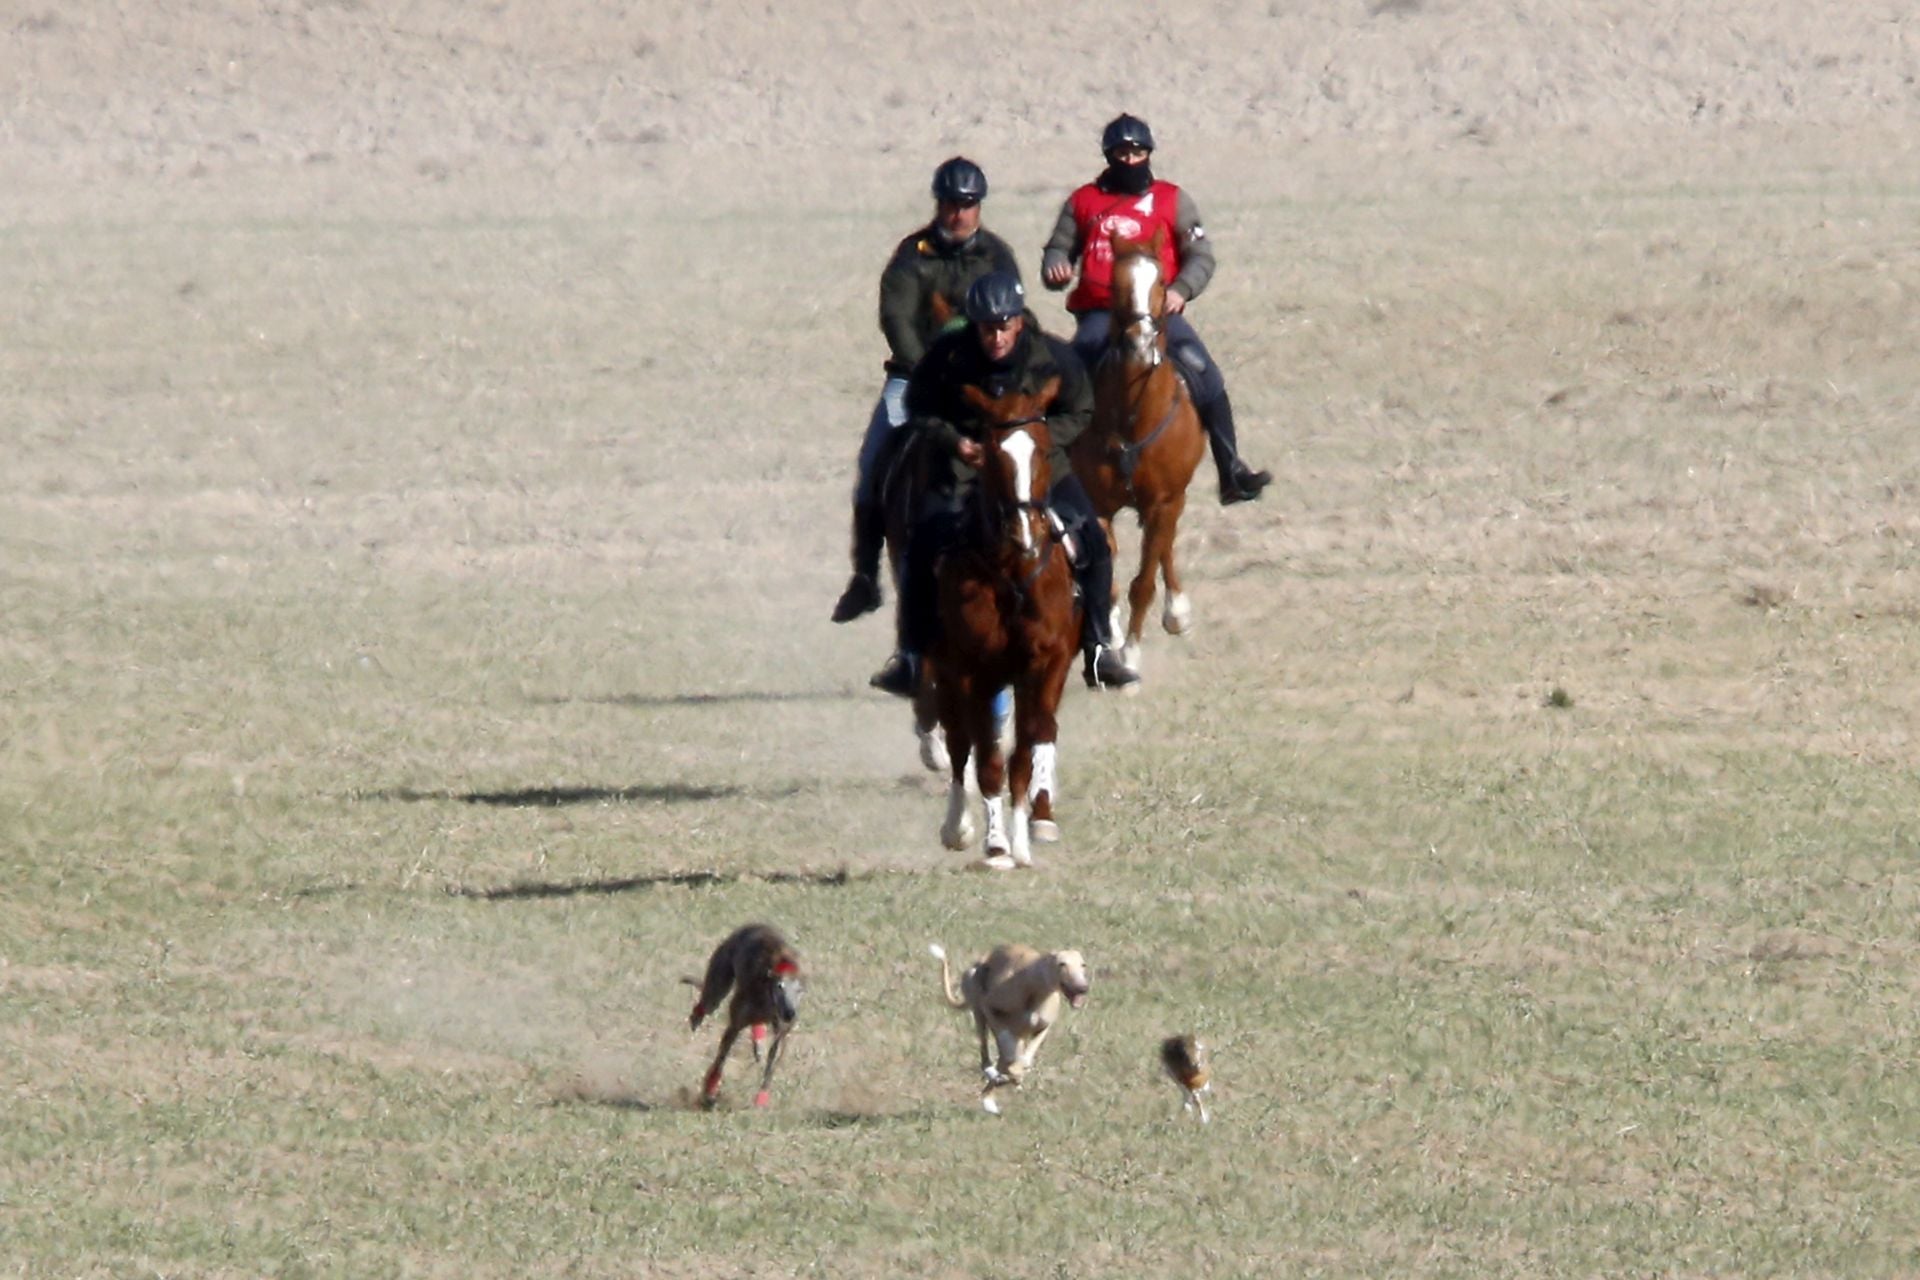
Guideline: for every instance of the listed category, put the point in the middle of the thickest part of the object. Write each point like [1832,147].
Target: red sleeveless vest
[1097,212]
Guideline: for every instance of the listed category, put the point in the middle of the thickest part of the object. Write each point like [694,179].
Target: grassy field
[414,651]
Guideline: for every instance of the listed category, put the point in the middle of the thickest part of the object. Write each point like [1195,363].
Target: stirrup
[1105,670]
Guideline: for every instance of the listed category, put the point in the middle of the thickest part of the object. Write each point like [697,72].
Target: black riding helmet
[996,297]
[1125,131]
[961,181]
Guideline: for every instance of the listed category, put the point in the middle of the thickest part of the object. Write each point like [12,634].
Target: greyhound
[762,970]
[1014,994]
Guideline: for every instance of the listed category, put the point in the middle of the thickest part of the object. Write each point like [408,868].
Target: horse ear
[975,397]
[1048,390]
[1159,241]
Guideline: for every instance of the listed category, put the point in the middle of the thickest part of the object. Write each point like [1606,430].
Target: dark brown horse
[1007,617]
[1146,437]
[901,488]
[901,484]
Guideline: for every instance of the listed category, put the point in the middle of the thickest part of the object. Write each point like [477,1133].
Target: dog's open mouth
[1076,998]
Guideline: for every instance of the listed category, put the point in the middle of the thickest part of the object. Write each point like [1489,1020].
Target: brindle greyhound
[762,970]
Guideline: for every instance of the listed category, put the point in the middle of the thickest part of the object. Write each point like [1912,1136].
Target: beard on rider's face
[956,222]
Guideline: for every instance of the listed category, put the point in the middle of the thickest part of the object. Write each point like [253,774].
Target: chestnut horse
[1007,617]
[1146,437]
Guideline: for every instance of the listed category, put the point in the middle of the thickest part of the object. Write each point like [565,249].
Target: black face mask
[1128,179]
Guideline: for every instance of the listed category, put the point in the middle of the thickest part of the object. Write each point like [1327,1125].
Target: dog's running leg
[710,1092]
[986,1056]
[755,1035]
[765,1096]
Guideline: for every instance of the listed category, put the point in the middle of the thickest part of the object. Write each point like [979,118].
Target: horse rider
[1002,350]
[1127,198]
[940,260]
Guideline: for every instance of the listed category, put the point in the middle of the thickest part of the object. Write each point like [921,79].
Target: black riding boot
[862,595]
[916,618]
[1104,669]
[1238,481]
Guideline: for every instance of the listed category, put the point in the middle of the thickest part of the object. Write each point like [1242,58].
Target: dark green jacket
[924,265]
[937,407]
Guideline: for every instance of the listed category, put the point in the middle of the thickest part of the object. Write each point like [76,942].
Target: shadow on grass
[617,1096]
[754,697]
[657,880]
[843,1119]
[554,797]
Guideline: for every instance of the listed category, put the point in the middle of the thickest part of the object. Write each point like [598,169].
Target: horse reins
[1128,454]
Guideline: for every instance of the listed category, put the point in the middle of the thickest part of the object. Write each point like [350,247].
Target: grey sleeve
[1196,251]
[1063,246]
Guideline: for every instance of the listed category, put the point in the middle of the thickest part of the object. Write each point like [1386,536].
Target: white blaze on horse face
[1019,448]
[1142,274]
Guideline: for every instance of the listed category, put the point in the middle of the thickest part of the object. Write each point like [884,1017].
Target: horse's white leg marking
[996,824]
[933,749]
[1130,656]
[1179,614]
[1021,852]
[1043,771]
[1044,781]
[957,831]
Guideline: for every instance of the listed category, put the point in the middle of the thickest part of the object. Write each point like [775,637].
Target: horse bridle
[1004,511]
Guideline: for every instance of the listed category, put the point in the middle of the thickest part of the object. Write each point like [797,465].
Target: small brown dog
[762,970]
[1014,994]
[1191,1066]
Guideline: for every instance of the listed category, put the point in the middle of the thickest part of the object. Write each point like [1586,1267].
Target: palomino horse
[1007,617]
[1146,438]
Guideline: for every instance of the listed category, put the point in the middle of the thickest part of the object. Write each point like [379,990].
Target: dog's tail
[939,953]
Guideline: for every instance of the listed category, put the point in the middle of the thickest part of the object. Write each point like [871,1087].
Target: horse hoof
[1130,656]
[988,1105]
[1044,831]
[957,838]
[1178,619]
[997,862]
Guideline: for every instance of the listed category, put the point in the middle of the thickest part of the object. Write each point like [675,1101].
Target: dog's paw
[988,1105]
[937,951]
